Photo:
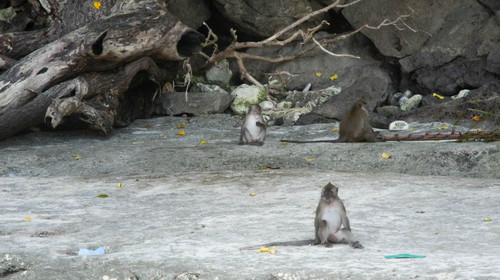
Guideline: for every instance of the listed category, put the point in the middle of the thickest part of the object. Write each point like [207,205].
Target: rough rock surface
[198,103]
[185,209]
[485,99]
[319,68]
[263,18]
[455,44]
[190,12]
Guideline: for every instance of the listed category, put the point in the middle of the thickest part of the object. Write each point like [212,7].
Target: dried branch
[331,53]
[244,72]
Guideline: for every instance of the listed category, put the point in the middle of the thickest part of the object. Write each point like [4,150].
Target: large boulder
[263,18]
[443,46]
[190,12]
[197,103]
[323,70]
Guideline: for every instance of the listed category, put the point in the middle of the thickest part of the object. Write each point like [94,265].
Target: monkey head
[255,108]
[329,193]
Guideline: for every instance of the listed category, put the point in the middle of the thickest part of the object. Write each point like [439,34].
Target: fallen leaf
[102,196]
[310,159]
[411,129]
[487,219]
[252,194]
[97,5]
[119,185]
[139,142]
[335,129]
[76,157]
[386,156]
[28,219]
[442,127]
[319,74]
[182,125]
[437,96]
[334,77]
[284,143]
[203,142]
[268,167]
[476,118]
[267,250]
[263,250]
[181,132]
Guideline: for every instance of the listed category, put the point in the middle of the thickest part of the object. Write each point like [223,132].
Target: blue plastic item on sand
[403,256]
[86,252]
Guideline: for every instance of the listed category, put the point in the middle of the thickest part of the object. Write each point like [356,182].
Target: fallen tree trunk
[54,72]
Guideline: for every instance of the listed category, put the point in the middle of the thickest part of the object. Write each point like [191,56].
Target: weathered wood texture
[65,74]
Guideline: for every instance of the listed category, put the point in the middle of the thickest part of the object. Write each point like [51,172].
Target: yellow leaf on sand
[442,127]
[267,250]
[252,194]
[319,74]
[263,250]
[335,129]
[487,219]
[119,185]
[28,219]
[310,159]
[269,167]
[182,125]
[386,156]
[203,142]
[284,143]
[102,196]
[76,157]
[476,118]
[97,5]
[437,96]
[138,142]
[334,77]
[181,132]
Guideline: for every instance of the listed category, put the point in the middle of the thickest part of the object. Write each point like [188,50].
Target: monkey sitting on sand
[253,131]
[330,217]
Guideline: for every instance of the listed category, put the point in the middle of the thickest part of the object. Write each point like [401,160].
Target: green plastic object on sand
[403,256]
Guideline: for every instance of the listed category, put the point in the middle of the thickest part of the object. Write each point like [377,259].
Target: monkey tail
[311,141]
[306,242]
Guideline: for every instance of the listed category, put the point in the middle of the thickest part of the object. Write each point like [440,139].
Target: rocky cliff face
[438,47]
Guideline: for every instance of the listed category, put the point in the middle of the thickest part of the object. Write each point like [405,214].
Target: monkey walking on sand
[354,127]
[331,224]
[253,131]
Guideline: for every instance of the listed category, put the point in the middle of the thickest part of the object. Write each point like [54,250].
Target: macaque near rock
[253,131]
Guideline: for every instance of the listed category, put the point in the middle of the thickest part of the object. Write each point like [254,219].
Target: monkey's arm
[345,220]
[285,243]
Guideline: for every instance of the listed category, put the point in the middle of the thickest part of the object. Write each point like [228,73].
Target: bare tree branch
[331,53]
